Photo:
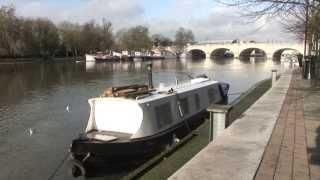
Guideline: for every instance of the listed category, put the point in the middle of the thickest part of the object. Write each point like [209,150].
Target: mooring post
[150,81]
[218,119]
[273,76]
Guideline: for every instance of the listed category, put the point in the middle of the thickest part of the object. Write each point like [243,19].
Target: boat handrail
[143,96]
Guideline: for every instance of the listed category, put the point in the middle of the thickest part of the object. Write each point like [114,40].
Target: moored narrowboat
[137,121]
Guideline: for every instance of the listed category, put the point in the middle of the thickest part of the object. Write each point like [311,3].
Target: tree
[9,31]
[135,39]
[159,40]
[107,38]
[90,37]
[30,44]
[71,37]
[46,37]
[299,16]
[182,38]
[95,37]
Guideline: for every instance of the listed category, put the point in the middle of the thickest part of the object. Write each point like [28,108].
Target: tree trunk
[75,53]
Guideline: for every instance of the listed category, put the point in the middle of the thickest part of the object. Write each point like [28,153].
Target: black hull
[114,59]
[116,155]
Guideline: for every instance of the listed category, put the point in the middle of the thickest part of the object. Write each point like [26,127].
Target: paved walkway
[286,154]
[293,151]
[289,150]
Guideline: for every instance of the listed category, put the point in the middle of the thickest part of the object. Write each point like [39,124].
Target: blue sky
[206,18]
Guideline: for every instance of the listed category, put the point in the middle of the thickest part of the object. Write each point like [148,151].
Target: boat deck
[108,135]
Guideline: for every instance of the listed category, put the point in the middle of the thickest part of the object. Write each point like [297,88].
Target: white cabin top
[125,115]
[179,88]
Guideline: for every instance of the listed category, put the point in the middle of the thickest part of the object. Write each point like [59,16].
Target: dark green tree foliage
[106,35]
[46,37]
[90,37]
[159,40]
[29,41]
[135,39]
[95,37]
[70,38]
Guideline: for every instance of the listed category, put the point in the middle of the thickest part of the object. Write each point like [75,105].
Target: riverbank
[39,59]
[167,165]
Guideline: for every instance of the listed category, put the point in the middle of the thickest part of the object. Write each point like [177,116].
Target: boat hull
[112,155]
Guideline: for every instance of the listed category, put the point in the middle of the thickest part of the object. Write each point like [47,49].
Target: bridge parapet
[237,48]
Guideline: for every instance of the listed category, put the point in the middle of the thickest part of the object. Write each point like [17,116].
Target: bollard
[218,119]
[306,71]
[273,76]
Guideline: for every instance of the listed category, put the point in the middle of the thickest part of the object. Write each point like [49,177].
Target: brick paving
[285,156]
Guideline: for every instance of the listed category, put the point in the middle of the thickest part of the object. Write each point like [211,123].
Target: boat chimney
[149,69]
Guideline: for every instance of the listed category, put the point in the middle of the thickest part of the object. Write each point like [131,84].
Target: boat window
[197,101]
[184,105]
[163,114]
[211,94]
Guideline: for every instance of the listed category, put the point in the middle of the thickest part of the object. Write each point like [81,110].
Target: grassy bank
[170,163]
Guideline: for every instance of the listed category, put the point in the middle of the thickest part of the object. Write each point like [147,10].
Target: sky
[208,19]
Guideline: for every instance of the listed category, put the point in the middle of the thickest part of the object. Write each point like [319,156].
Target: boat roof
[164,92]
[180,88]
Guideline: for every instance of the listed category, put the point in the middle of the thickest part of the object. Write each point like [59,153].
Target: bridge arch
[247,53]
[221,53]
[278,53]
[197,54]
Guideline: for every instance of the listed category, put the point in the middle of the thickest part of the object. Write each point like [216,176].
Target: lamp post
[306,29]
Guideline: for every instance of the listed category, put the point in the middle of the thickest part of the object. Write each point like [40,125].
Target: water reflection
[35,95]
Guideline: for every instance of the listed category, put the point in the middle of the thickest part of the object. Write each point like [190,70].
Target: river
[51,101]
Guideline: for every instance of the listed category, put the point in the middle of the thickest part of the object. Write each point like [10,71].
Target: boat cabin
[122,117]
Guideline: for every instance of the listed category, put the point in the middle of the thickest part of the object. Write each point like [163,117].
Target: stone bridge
[241,49]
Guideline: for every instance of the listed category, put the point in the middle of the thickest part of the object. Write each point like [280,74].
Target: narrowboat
[140,121]
[100,56]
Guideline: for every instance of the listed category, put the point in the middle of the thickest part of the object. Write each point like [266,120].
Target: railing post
[218,119]
[273,76]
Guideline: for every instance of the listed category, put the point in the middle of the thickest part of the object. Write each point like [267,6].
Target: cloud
[208,20]
[120,12]
[221,23]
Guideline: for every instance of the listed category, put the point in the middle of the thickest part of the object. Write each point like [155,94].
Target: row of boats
[126,56]
[138,121]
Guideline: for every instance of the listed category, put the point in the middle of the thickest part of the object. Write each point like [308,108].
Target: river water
[51,101]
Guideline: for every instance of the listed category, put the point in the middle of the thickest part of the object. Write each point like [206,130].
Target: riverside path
[277,142]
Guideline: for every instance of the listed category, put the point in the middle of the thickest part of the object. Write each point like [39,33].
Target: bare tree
[299,16]
[9,31]
[182,38]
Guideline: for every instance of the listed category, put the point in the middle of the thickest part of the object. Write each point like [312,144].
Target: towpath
[285,146]
[293,151]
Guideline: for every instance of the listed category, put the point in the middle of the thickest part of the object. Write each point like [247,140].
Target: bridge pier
[208,55]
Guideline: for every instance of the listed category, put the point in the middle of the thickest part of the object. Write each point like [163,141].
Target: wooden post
[218,119]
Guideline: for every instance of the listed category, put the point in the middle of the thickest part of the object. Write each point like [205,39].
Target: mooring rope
[54,173]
